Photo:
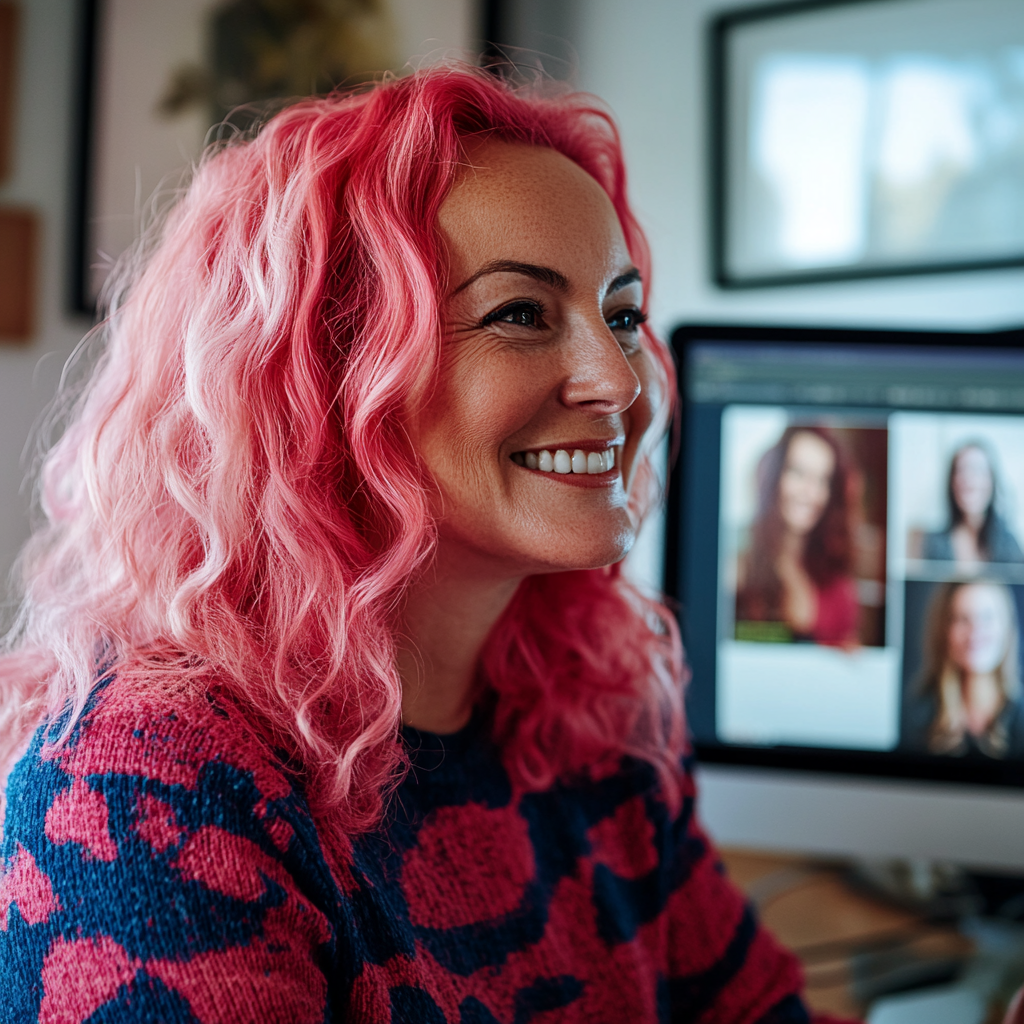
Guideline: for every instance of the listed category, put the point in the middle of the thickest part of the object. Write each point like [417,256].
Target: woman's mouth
[566,461]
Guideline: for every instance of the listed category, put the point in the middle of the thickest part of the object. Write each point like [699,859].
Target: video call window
[961,672]
[963,567]
[870,569]
[806,506]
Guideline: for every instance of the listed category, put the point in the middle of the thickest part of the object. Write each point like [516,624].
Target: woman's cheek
[643,410]
[651,391]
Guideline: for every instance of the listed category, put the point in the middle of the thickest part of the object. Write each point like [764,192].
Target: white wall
[647,60]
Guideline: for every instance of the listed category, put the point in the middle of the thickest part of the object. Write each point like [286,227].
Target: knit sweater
[163,866]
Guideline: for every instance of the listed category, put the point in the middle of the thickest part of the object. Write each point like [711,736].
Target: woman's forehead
[972,455]
[531,204]
[491,160]
[982,594]
[807,445]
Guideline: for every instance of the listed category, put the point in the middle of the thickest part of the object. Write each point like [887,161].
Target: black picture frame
[720,81]
[147,102]
[83,107]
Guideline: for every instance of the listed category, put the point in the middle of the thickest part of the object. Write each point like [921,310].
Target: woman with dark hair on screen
[334,703]
[796,570]
[968,697]
[976,532]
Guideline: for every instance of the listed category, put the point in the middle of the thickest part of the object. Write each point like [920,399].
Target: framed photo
[159,80]
[864,138]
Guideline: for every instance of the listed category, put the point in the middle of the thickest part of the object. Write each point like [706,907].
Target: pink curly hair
[234,504]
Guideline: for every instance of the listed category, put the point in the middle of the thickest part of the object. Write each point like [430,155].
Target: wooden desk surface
[812,910]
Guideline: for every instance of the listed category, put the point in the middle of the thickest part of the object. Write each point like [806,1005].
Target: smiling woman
[543,362]
[796,574]
[331,700]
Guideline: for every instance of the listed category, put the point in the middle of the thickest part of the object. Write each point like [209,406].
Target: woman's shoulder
[160,848]
[937,546]
[920,708]
[156,757]
[1013,717]
[165,734]
[1003,545]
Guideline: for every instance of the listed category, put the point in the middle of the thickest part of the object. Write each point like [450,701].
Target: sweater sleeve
[152,871]
[724,967]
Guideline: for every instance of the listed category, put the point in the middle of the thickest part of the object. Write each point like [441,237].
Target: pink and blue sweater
[163,866]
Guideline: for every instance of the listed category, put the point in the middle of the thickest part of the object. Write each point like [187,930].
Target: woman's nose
[598,375]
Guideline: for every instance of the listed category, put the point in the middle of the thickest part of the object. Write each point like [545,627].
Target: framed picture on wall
[159,80]
[864,138]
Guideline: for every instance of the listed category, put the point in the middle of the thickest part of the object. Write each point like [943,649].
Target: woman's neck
[966,542]
[973,521]
[447,616]
[792,545]
[799,596]
[983,700]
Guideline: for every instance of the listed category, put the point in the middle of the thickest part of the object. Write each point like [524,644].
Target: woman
[968,701]
[976,532]
[795,575]
[348,712]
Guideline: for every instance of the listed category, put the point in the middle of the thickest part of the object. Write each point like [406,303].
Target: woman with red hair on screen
[330,699]
[796,572]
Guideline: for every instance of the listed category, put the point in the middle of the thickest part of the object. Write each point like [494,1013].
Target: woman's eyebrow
[546,275]
[631,276]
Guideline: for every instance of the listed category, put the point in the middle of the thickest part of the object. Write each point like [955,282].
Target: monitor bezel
[874,764]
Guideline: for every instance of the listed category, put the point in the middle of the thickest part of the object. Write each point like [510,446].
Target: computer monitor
[845,541]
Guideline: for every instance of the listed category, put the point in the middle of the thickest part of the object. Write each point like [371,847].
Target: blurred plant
[264,50]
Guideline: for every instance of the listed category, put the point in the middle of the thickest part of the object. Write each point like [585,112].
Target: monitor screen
[846,545]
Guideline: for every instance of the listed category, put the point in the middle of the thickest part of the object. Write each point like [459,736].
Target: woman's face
[806,482]
[972,482]
[979,628]
[544,391]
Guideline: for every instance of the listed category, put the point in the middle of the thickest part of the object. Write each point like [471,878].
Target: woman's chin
[588,553]
[801,527]
[536,545]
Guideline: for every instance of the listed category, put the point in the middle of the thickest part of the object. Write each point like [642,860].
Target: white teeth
[562,462]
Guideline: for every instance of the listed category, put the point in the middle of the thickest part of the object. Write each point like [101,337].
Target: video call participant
[976,532]
[968,698]
[797,569]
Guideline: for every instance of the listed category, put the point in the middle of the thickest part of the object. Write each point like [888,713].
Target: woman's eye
[519,314]
[627,320]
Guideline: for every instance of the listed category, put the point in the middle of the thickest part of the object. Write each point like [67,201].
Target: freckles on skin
[469,456]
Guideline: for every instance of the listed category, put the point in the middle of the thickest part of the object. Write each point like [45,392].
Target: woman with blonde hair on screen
[968,698]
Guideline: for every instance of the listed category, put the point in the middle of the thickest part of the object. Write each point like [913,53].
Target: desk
[812,910]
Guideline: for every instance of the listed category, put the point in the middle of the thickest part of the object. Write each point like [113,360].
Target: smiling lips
[564,462]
